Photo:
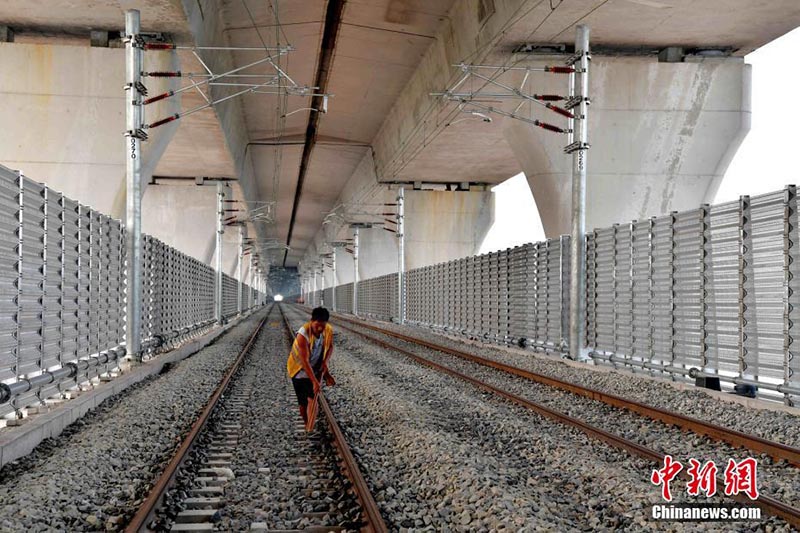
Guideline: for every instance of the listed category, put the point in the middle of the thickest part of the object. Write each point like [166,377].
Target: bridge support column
[662,137]
[438,226]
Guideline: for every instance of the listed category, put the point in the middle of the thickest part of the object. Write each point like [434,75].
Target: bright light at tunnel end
[278,298]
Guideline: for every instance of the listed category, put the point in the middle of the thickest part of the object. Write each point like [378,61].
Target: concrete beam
[440,226]
[6,34]
[207,27]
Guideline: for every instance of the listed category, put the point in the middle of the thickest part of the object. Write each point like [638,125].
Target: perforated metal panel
[344,298]
[69,311]
[30,285]
[377,297]
[9,223]
[62,286]
[327,296]
[229,298]
[712,289]
[51,298]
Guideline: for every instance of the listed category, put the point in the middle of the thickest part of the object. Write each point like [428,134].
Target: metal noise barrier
[62,293]
[712,292]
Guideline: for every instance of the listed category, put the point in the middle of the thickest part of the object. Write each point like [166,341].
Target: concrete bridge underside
[663,128]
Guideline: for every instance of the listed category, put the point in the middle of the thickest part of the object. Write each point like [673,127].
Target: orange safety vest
[293,364]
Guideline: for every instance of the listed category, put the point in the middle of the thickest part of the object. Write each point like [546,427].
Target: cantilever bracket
[576,146]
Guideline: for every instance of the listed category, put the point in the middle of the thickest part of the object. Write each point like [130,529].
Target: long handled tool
[313,407]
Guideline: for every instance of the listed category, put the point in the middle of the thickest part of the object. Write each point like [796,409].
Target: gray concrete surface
[683,121]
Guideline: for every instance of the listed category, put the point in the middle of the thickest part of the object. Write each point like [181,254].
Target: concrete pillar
[182,216]
[439,226]
[338,260]
[662,136]
[63,117]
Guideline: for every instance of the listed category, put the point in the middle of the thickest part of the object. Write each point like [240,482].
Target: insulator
[560,111]
[550,127]
[559,70]
[158,97]
[163,74]
[159,46]
[163,121]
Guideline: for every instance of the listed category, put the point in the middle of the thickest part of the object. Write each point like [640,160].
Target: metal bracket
[138,133]
[574,58]
[573,102]
[576,146]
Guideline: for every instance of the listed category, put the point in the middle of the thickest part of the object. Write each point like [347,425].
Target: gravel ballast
[284,479]
[96,473]
[778,426]
[442,455]
[781,481]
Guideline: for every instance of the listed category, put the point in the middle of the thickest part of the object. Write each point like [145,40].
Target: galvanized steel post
[314,298]
[20,262]
[320,286]
[401,257]
[256,286]
[355,271]
[745,264]
[220,232]
[790,238]
[577,296]
[705,223]
[133,209]
[673,293]
[252,279]
[333,282]
[239,266]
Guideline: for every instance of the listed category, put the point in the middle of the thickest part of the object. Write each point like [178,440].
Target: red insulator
[163,121]
[163,74]
[548,97]
[560,111]
[158,97]
[389,229]
[560,70]
[550,127]
[159,46]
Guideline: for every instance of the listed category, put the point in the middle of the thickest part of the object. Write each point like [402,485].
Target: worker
[308,360]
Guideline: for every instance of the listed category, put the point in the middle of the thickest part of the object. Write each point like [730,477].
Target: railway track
[192,491]
[372,515]
[776,450]
[779,451]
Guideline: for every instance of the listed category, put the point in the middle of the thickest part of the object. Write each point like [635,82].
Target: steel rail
[731,436]
[372,514]
[770,505]
[147,510]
